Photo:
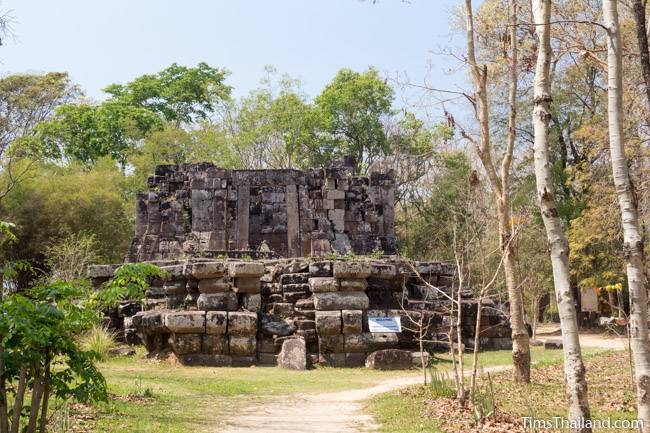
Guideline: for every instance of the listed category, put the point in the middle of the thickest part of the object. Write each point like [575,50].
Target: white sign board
[384,324]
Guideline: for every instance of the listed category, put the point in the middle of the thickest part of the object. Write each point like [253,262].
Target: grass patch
[611,395]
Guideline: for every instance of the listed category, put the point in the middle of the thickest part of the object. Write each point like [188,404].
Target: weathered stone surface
[251,302]
[341,301]
[353,284]
[120,351]
[174,287]
[417,357]
[293,355]
[149,321]
[356,269]
[217,301]
[355,359]
[323,284]
[331,344]
[368,342]
[383,270]
[389,359]
[247,285]
[352,321]
[265,358]
[328,322]
[185,343]
[332,359]
[205,359]
[242,323]
[320,269]
[216,322]
[271,324]
[244,360]
[283,309]
[185,322]
[209,269]
[214,285]
[215,344]
[536,343]
[101,271]
[246,269]
[242,346]
[553,344]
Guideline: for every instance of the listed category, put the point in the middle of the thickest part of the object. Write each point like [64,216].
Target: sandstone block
[149,322]
[242,323]
[205,359]
[323,284]
[216,322]
[328,322]
[320,269]
[185,322]
[332,359]
[355,359]
[331,344]
[244,360]
[341,301]
[265,358]
[283,309]
[214,285]
[175,287]
[383,270]
[215,344]
[271,324]
[246,269]
[293,355]
[352,269]
[242,346]
[368,342]
[353,284]
[217,301]
[252,302]
[352,321]
[389,359]
[185,343]
[247,285]
[209,269]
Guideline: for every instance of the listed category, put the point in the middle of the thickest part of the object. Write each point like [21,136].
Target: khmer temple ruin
[286,267]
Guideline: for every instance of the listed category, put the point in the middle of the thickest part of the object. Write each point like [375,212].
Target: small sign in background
[385,324]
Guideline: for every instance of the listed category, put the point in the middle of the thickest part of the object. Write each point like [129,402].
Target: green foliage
[68,258]
[350,111]
[99,340]
[129,282]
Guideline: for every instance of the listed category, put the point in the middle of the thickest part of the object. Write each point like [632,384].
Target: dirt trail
[331,412]
[551,331]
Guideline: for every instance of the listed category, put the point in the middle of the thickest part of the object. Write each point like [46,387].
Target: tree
[632,233]
[25,101]
[500,182]
[350,110]
[180,95]
[574,370]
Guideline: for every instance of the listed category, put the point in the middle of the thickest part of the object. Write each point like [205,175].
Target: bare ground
[332,412]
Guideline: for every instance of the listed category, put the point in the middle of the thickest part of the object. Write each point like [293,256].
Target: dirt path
[551,331]
[331,412]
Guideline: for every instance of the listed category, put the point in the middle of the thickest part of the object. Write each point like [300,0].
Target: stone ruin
[201,209]
[256,272]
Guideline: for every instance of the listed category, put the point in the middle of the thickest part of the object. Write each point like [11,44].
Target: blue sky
[99,42]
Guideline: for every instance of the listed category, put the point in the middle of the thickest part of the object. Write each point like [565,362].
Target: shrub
[99,340]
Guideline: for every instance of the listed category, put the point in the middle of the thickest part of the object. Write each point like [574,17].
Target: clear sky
[100,41]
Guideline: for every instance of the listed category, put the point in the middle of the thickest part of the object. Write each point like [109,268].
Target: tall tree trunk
[4,404]
[574,370]
[638,10]
[37,392]
[46,394]
[19,398]
[501,184]
[632,238]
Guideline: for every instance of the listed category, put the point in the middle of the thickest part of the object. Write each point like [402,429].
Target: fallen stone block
[214,285]
[369,342]
[242,323]
[247,285]
[216,322]
[353,284]
[389,359]
[215,344]
[328,322]
[185,322]
[417,359]
[352,321]
[553,344]
[536,343]
[323,284]
[217,301]
[341,301]
[246,269]
[185,343]
[293,355]
[202,270]
[352,269]
[242,346]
